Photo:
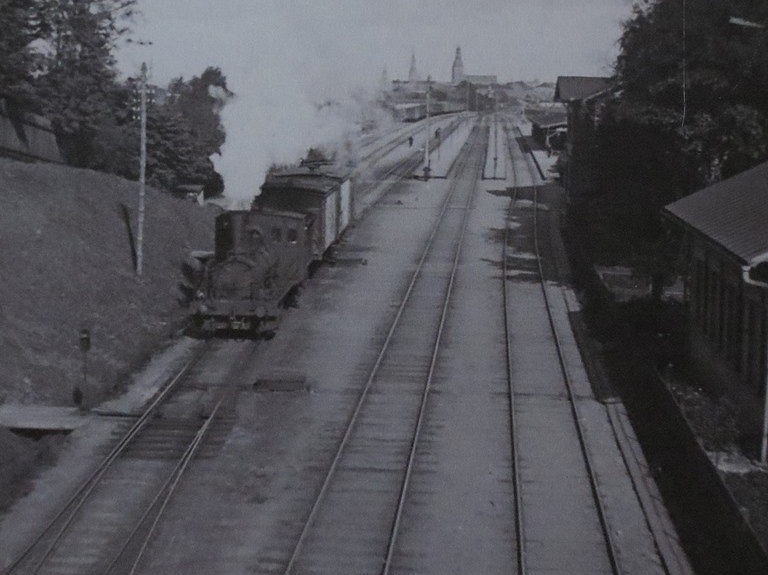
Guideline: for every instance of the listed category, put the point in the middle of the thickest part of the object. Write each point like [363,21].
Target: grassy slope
[65,264]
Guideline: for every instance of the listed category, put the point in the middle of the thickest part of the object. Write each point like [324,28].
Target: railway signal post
[85,346]
[427,167]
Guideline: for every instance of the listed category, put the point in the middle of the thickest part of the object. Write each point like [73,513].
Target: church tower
[457,73]
[412,76]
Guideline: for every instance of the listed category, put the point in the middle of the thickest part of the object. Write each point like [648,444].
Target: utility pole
[85,346]
[427,167]
[467,84]
[495,137]
[142,170]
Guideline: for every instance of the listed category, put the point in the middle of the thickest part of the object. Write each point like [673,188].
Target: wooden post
[142,172]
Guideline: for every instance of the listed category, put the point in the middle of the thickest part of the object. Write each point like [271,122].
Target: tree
[17,32]
[196,108]
[686,59]
[200,101]
[693,109]
[56,58]
[77,77]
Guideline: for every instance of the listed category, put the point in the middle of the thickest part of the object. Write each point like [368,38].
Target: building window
[733,337]
[722,316]
[755,344]
[277,235]
[712,310]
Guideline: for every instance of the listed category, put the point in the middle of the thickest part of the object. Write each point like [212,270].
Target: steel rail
[395,529]
[391,144]
[618,428]
[73,505]
[171,484]
[592,475]
[407,164]
[399,139]
[514,445]
[330,474]
[168,488]
[616,423]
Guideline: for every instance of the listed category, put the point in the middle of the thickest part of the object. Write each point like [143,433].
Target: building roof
[733,213]
[480,78]
[578,88]
[310,179]
[547,118]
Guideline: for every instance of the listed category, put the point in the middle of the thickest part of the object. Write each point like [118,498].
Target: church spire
[457,72]
[412,77]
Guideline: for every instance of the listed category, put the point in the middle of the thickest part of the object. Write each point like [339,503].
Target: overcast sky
[284,56]
[352,40]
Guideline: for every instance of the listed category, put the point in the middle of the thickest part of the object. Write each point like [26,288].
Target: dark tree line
[57,60]
[698,81]
[692,108]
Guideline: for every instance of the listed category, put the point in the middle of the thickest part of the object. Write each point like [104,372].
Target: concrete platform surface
[42,417]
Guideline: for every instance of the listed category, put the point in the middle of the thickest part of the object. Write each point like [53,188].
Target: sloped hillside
[66,264]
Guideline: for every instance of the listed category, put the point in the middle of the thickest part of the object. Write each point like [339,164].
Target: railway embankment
[630,348]
[67,264]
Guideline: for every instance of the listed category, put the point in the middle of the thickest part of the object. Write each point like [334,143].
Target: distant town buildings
[458,76]
[407,98]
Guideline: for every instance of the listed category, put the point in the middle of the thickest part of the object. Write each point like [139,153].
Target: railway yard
[424,409]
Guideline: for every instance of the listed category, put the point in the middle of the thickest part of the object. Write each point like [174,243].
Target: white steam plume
[288,97]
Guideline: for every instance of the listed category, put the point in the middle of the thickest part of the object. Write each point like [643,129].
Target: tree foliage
[688,62]
[189,131]
[692,109]
[200,101]
[77,75]
[57,59]
[17,32]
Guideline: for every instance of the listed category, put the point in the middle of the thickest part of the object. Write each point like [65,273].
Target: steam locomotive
[263,254]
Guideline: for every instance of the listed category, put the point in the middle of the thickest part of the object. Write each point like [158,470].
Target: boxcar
[325,196]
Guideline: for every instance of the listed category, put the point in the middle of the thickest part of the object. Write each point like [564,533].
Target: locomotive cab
[258,261]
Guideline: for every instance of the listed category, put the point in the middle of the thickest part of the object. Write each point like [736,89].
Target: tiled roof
[576,88]
[733,213]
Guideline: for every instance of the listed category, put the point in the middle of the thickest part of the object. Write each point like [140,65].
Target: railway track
[378,153]
[610,557]
[403,168]
[355,520]
[603,550]
[108,523]
[398,459]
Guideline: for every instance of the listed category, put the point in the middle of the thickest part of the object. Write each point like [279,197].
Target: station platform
[42,418]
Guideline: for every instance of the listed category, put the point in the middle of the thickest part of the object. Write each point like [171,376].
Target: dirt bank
[66,264]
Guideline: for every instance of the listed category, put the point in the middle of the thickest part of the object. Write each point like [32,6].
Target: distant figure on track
[410,141]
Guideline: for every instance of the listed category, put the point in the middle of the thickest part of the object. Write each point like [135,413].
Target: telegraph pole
[495,137]
[142,170]
[427,167]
